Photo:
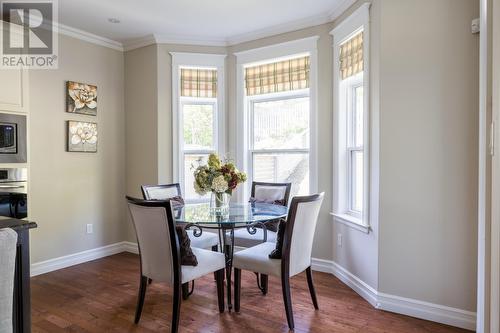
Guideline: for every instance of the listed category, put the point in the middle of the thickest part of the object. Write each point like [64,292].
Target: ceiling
[215,22]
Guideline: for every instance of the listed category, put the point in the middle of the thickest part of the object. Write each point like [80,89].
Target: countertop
[16,224]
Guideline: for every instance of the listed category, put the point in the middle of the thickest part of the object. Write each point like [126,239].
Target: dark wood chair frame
[285,265]
[145,194]
[262,279]
[176,308]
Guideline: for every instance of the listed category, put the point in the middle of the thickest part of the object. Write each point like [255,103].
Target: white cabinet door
[13,90]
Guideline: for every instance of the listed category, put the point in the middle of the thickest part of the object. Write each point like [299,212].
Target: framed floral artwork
[82,136]
[81,98]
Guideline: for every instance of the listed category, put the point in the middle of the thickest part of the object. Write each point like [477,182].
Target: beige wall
[69,190]
[148,104]
[141,118]
[429,151]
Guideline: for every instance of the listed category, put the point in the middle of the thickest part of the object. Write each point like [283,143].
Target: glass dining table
[199,217]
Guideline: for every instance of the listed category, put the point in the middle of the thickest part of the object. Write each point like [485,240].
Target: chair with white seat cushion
[272,193]
[8,246]
[296,257]
[160,255]
[167,191]
[205,240]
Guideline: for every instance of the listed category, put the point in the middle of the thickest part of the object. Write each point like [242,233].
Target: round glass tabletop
[247,213]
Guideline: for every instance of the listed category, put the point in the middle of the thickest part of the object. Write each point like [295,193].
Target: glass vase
[219,203]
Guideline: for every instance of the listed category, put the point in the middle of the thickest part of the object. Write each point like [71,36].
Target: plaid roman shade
[198,82]
[351,56]
[278,76]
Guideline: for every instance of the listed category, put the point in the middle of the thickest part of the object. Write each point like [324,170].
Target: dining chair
[167,191]
[296,254]
[160,255]
[8,247]
[274,193]
[204,241]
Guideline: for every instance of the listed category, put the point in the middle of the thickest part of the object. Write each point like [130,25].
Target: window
[280,139]
[351,120]
[352,92]
[199,119]
[276,115]
[198,115]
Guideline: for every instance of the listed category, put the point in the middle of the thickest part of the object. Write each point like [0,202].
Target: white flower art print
[81,98]
[82,136]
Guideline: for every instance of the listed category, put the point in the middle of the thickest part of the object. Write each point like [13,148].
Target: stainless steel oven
[12,138]
[13,192]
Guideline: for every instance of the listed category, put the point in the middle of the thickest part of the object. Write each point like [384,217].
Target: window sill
[351,222]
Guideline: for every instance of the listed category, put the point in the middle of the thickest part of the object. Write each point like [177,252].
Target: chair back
[271,192]
[161,192]
[157,240]
[299,235]
[8,246]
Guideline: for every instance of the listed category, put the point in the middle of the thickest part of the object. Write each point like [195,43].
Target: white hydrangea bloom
[219,184]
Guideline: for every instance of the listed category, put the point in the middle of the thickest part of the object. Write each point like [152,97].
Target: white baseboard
[130,247]
[407,306]
[50,265]
[428,311]
[355,283]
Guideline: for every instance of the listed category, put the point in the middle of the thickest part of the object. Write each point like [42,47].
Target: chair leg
[215,248]
[185,291]
[176,308]
[220,289]
[264,283]
[237,289]
[311,287]
[287,299]
[140,298]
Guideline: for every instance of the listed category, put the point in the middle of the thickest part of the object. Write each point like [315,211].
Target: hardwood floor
[100,296]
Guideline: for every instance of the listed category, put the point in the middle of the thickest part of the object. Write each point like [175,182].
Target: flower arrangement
[217,177]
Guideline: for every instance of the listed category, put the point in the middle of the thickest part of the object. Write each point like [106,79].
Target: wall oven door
[13,192]
[14,205]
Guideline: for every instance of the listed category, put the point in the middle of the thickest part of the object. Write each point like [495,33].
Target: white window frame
[342,187]
[204,61]
[267,54]
[270,98]
[346,89]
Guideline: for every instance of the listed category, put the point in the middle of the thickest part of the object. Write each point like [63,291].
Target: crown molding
[171,39]
[88,37]
[279,29]
[336,12]
[189,40]
[139,42]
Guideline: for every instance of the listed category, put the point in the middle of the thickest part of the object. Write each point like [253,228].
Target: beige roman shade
[278,76]
[198,82]
[351,56]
